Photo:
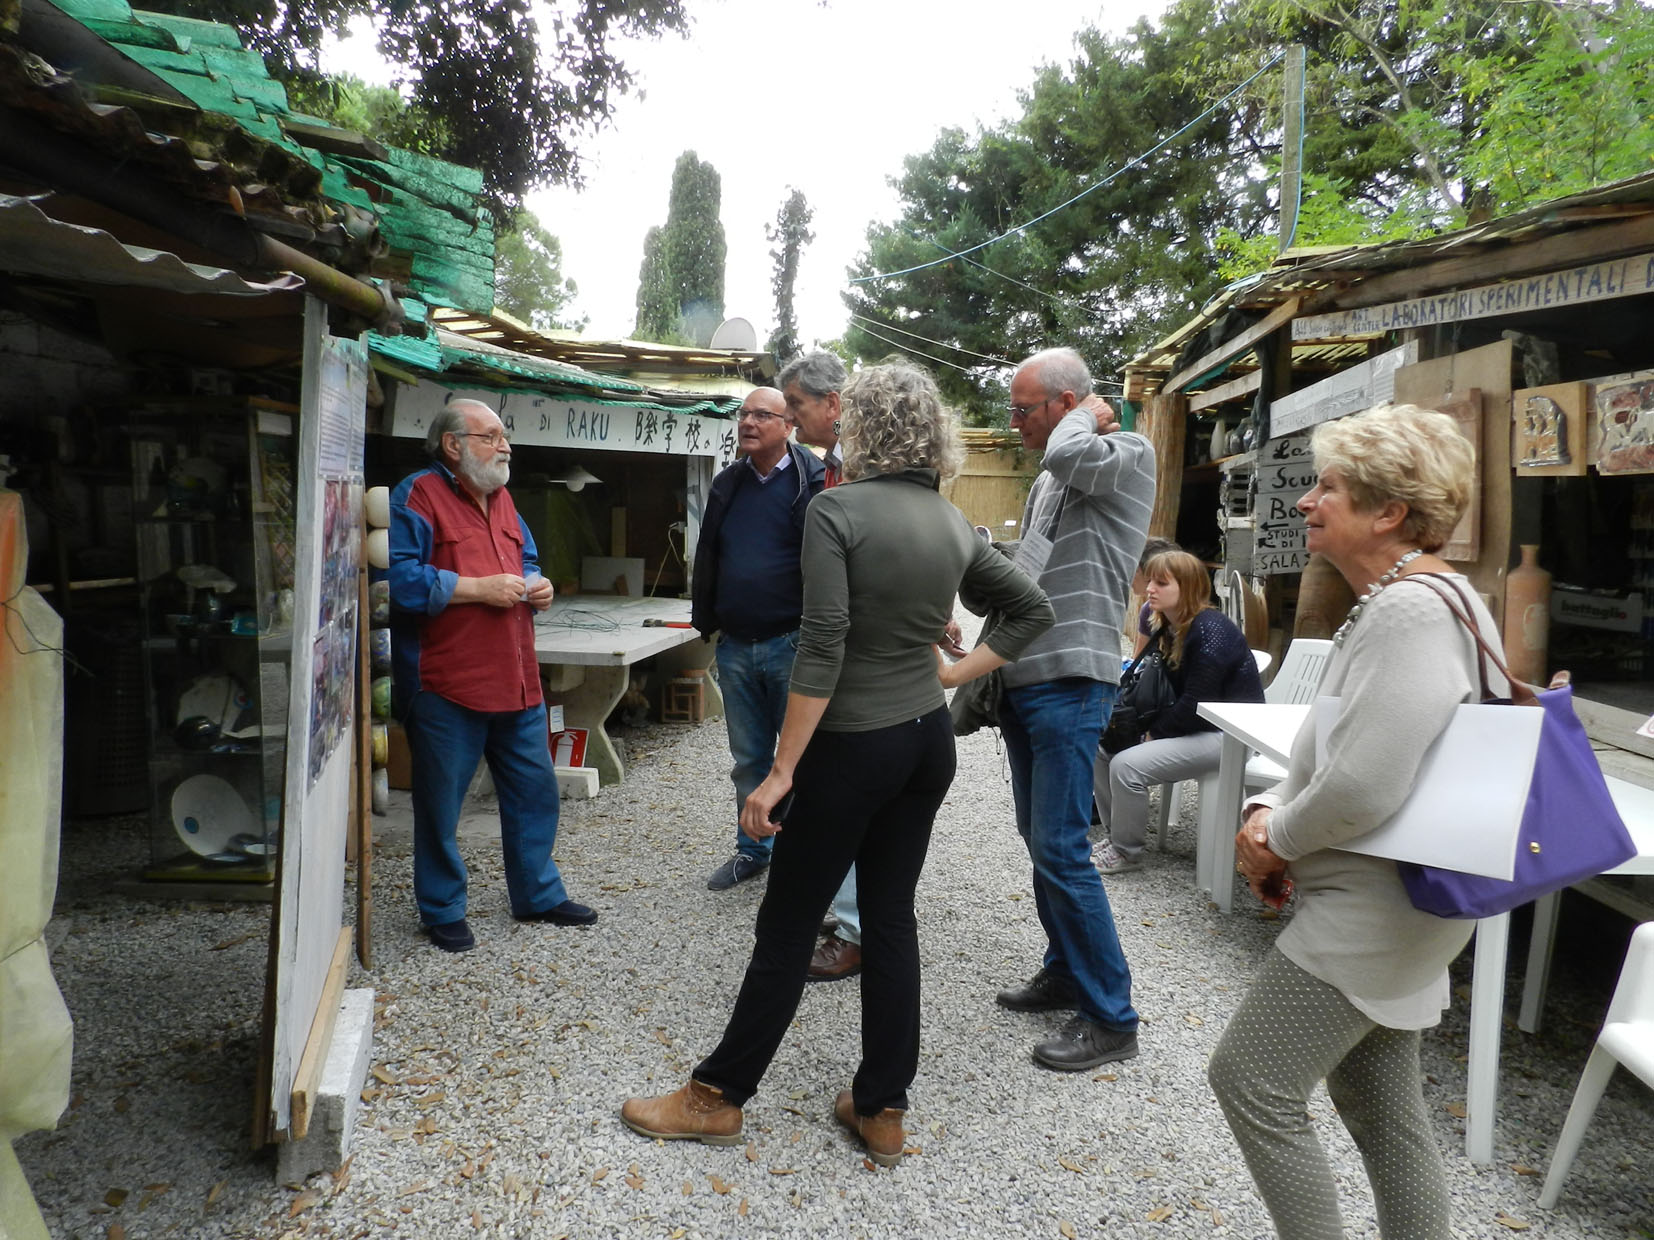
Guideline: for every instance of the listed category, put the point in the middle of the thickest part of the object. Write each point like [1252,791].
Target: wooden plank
[1243,386]
[1581,245]
[307,1080]
[364,772]
[1277,318]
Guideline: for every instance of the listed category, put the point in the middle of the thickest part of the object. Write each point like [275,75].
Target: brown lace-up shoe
[696,1112]
[882,1133]
[834,958]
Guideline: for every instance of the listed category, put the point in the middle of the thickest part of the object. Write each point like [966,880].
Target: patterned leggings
[1290,1032]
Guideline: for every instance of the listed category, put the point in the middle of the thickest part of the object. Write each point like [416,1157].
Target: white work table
[1270,729]
[586,642]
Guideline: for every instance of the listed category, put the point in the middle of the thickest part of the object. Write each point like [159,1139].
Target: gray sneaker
[737,869]
[1110,860]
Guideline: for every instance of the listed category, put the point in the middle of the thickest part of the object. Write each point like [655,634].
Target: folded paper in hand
[1465,810]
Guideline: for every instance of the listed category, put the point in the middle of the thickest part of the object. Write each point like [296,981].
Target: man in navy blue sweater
[748,588]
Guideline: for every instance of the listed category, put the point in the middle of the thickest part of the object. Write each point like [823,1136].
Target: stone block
[333,1122]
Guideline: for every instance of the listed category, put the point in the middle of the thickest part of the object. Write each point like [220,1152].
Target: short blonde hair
[1405,453]
[894,419]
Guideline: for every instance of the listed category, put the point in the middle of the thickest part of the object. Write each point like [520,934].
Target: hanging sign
[556,422]
[1618,277]
[1285,471]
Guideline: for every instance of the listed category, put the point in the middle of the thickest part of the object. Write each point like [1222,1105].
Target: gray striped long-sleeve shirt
[1098,492]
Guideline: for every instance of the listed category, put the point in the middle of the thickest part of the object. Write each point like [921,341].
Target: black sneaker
[568,913]
[1084,1044]
[452,936]
[737,869]
[1044,992]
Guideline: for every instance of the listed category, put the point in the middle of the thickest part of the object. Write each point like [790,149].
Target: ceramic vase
[1527,618]
[1324,599]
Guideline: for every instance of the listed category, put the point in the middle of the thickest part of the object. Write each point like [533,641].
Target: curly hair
[1194,595]
[1405,453]
[894,419]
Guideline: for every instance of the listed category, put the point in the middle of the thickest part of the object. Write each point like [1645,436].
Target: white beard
[483,479]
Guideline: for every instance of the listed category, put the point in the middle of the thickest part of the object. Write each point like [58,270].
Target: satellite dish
[736,334]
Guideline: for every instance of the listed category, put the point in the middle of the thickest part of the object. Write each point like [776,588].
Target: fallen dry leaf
[634,1181]
[1158,1215]
[1217,1217]
[601,1174]
[238,940]
[1515,1224]
[476,1219]
[752,1152]
[678,1233]
[1067,1229]
[114,1197]
[417,1187]
[721,1187]
[688,1189]
[116,1232]
[384,1076]
[1194,1022]
[1106,1076]
[1457,1109]
[214,1193]
[742,1208]
[303,1202]
[1071,1165]
[1524,1169]
[868,1163]
[783,1170]
[913,1149]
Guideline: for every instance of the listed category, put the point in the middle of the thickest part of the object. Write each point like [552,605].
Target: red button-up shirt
[475,655]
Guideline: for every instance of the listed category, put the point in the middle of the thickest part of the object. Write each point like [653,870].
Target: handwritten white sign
[556,422]
[1285,470]
[1620,277]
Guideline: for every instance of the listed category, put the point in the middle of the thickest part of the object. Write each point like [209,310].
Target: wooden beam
[1229,391]
[1165,420]
[1579,245]
[307,1080]
[1230,349]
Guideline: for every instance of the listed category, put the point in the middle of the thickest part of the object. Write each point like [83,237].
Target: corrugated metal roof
[32,243]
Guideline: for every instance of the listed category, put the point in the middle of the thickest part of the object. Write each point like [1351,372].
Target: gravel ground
[497,1075]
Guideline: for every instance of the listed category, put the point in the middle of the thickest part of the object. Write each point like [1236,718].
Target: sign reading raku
[560,423]
[1286,469]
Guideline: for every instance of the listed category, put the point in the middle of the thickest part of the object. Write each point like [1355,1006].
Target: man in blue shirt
[748,588]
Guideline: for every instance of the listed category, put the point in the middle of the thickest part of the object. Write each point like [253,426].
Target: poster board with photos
[322,702]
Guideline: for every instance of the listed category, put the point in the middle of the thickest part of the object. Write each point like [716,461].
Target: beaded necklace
[1373,589]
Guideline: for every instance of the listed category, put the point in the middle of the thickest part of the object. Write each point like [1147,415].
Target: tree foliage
[528,278]
[681,282]
[791,231]
[516,84]
[1419,115]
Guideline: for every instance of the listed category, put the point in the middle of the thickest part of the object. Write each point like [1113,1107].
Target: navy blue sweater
[1217,666]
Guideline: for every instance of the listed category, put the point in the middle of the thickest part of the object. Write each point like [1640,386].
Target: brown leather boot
[882,1133]
[696,1112]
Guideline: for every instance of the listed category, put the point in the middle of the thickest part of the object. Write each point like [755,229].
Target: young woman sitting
[1209,662]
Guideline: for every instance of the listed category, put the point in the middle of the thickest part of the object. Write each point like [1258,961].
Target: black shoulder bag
[1146,692]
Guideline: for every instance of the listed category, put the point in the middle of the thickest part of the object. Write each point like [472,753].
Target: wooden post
[363,837]
[1292,140]
[1165,421]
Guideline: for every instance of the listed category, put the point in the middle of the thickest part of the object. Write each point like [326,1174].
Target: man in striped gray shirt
[1082,531]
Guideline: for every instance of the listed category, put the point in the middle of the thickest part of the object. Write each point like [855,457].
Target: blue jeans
[445,741]
[754,677]
[1051,733]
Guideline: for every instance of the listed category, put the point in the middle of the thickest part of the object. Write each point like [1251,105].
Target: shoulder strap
[1519,692]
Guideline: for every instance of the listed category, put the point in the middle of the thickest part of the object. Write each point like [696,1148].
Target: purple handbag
[1570,830]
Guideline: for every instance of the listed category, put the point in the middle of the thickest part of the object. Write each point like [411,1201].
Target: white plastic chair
[1627,1038]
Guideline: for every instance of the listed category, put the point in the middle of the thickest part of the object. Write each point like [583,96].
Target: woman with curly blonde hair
[865,756]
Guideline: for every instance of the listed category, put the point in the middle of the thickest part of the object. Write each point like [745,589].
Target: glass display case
[213,487]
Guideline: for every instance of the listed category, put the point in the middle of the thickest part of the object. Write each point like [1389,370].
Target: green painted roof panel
[104,10]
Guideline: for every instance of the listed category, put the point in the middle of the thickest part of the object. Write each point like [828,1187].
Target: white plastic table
[1270,729]
[586,642]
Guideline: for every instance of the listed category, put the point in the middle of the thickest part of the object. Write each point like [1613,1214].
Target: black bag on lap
[1146,692]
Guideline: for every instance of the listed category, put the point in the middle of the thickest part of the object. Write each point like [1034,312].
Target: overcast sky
[828,98]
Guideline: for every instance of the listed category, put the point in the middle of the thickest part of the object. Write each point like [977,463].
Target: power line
[1000,274]
[987,357]
[907,348]
[1090,189]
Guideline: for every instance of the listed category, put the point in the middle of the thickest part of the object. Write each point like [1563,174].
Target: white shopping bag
[1467,801]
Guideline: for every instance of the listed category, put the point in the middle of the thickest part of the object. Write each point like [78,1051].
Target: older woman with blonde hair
[865,756]
[1359,971]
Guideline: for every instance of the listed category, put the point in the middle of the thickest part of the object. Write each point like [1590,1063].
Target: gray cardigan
[1097,491]
[1406,664]
[883,559]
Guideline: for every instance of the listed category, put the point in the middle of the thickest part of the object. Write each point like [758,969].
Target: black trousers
[868,798]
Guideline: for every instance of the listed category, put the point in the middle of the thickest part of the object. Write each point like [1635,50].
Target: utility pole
[1292,142]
